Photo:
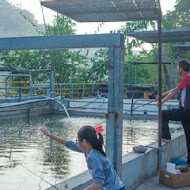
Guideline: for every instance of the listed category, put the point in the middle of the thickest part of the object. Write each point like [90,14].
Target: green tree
[65,63]
[98,72]
[179,18]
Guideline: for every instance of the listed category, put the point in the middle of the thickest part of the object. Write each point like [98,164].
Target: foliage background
[75,65]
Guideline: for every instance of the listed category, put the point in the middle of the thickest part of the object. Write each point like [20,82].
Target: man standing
[183,112]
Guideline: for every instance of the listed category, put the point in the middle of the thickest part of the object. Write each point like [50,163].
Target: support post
[172,75]
[135,74]
[31,88]
[51,83]
[129,76]
[114,124]
[6,86]
[20,94]
[159,89]
[83,90]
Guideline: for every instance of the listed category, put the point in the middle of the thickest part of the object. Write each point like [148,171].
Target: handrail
[68,90]
[14,82]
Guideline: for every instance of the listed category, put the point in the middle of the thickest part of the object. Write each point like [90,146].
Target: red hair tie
[99,129]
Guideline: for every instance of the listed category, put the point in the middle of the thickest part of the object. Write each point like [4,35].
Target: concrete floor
[153,184]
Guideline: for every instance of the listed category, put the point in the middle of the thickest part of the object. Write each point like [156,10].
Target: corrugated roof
[106,10]
[168,36]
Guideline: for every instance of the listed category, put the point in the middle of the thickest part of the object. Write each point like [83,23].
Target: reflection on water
[23,149]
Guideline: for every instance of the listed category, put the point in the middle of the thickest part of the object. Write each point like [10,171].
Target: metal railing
[66,90]
[76,90]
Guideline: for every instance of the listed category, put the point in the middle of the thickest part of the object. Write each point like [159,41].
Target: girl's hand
[45,131]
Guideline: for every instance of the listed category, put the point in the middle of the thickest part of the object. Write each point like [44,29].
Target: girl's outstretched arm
[56,138]
[94,186]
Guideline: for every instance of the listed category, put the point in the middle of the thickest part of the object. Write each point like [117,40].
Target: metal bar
[118,106]
[110,136]
[51,83]
[150,63]
[172,75]
[20,94]
[60,42]
[60,90]
[93,89]
[159,89]
[23,75]
[110,132]
[6,87]
[72,89]
[11,78]
[135,74]
[115,106]
[129,76]
[31,91]
[83,90]
[131,111]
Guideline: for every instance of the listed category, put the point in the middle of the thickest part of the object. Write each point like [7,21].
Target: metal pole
[114,124]
[31,90]
[83,91]
[11,79]
[172,75]
[135,75]
[159,88]
[60,86]
[51,83]
[6,87]
[20,94]
[110,133]
[129,77]
[72,89]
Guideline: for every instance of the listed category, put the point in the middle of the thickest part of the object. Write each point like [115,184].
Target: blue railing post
[83,90]
[51,83]
[20,94]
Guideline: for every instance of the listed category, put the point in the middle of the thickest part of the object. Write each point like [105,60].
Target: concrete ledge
[136,166]
[77,182]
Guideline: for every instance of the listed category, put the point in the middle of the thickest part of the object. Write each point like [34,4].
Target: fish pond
[30,160]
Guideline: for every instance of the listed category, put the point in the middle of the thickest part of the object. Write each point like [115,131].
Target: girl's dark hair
[89,133]
[184,63]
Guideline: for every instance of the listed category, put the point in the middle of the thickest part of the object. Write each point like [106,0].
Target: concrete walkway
[153,184]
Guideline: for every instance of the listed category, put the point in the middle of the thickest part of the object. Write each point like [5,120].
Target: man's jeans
[182,115]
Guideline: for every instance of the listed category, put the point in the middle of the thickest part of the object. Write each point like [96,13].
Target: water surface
[27,157]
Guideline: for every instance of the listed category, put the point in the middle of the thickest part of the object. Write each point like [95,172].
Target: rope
[131,110]
[83,107]
[140,106]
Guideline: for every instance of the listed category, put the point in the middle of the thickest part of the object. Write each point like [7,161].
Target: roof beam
[61,42]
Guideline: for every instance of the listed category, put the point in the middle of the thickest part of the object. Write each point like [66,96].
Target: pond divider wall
[29,109]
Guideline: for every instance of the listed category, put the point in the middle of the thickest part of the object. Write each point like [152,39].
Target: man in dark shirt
[183,112]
